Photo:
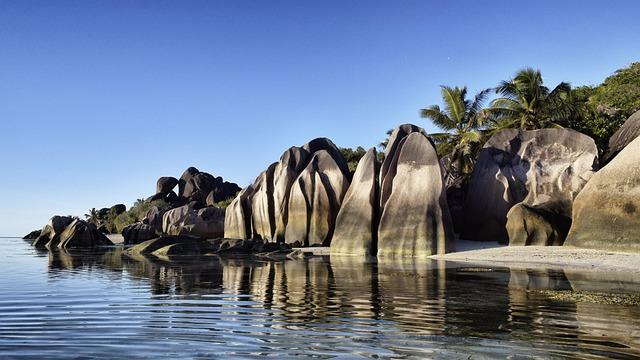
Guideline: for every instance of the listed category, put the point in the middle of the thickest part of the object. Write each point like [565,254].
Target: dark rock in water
[543,169]
[356,229]
[237,220]
[621,138]
[118,209]
[32,235]
[166,184]
[415,220]
[606,213]
[50,234]
[81,234]
[530,226]
[315,199]
[186,176]
[205,223]
[169,246]
[137,233]
[150,246]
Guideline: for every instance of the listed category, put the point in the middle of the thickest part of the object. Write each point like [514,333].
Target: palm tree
[92,216]
[463,121]
[527,104]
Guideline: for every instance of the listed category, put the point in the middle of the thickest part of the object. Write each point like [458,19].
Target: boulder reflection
[418,298]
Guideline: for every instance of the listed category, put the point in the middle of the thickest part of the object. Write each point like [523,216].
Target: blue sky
[100,98]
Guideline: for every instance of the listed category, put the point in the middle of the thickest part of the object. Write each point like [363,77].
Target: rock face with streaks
[415,219]
[356,230]
[207,222]
[82,235]
[50,233]
[306,184]
[237,220]
[542,169]
[628,132]
[314,201]
[606,213]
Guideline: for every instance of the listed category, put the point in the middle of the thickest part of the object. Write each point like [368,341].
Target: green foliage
[526,103]
[619,92]
[225,203]
[463,121]
[353,156]
[137,212]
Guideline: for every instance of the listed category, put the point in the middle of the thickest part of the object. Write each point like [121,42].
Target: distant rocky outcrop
[542,169]
[82,235]
[194,185]
[65,232]
[50,233]
[190,219]
[628,132]
[606,213]
[295,200]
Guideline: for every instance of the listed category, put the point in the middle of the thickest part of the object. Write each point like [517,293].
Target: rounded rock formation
[625,135]
[543,169]
[166,184]
[357,221]
[415,220]
[606,213]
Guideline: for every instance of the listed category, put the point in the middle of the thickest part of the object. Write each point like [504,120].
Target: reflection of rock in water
[588,326]
[412,293]
[357,288]
[64,259]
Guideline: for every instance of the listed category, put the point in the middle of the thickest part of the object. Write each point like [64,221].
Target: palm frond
[438,118]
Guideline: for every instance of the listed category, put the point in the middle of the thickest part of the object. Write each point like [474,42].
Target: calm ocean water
[103,305]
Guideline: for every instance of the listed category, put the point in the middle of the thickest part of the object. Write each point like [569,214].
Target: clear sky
[100,98]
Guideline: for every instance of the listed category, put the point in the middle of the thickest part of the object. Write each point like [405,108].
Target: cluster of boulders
[538,187]
[398,209]
[522,188]
[66,232]
[193,211]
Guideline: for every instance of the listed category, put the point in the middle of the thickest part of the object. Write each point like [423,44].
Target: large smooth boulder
[262,205]
[50,233]
[237,219]
[82,235]
[291,163]
[153,218]
[315,199]
[184,179]
[543,169]
[531,226]
[415,220]
[198,187]
[166,184]
[137,233]
[357,221]
[606,213]
[205,222]
[628,132]
[395,138]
